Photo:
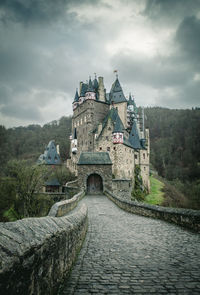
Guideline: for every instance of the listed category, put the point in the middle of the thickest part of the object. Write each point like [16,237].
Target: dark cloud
[163,10]
[188,37]
[38,11]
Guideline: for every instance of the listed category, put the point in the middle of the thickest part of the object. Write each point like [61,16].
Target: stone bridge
[125,253]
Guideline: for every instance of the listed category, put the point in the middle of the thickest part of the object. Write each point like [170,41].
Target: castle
[108,137]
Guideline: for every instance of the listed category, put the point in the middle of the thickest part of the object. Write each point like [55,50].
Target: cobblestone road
[128,254]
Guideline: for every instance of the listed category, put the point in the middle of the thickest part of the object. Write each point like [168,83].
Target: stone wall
[122,188]
[185,217]
[37,253]
[61,208]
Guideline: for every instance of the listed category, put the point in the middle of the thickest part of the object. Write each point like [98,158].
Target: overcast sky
[48,46]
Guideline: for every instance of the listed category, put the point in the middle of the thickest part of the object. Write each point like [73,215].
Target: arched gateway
[94,184]
[94,172]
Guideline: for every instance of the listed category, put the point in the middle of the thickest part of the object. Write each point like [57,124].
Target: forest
[174,143]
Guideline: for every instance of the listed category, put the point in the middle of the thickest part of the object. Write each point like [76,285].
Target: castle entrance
[94,184]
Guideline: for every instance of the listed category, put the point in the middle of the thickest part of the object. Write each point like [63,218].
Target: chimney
[101,89]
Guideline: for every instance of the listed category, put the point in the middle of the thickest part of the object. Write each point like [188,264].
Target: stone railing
[185,217]
[63,207]
[37,253]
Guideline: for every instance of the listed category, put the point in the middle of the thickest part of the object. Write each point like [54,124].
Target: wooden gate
[94,184]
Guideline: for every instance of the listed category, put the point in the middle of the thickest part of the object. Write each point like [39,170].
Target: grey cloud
[163,10]
[29,112]
[157,71]
[188,37]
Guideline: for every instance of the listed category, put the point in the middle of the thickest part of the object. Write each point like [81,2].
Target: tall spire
[116,93]
[76,98]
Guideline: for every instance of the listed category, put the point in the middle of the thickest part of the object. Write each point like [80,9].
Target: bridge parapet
[184,217]
[37,253]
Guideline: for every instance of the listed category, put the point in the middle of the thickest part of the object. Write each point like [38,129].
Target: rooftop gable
[94,158]
[50,156]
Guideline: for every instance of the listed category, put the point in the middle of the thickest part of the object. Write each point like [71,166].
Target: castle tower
[118,100]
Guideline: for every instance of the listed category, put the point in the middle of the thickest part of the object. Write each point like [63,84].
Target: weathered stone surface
[63,207]
[185,217]
[130,254]
[37,253]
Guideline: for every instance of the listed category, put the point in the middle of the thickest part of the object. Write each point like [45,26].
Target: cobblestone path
[129,254]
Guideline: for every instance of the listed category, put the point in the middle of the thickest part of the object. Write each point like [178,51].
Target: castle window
[144,168]
[114,148]
[90,142]
[100,148]
[135,156]
[108,148]
[143,156]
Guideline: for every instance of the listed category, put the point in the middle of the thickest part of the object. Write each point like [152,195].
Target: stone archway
[94,184]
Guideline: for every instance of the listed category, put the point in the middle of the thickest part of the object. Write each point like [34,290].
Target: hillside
[175,145]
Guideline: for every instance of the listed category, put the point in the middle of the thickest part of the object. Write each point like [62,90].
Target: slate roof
[90,86]
[50,156]
[118,125]
[94,158]
[134,137]
[113,115]
[53,182]
[116,93]
[84,88]
[76,98]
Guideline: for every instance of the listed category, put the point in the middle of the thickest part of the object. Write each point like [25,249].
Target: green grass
[156,195]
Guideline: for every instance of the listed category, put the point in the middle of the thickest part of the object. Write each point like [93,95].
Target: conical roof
[76,98]
[134,137]
[116,93]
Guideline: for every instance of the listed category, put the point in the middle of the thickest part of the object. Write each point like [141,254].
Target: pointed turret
[134,138]
[90,93]
[95,83]
[76,100]
[116,93]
